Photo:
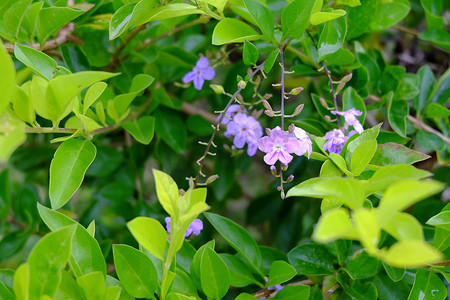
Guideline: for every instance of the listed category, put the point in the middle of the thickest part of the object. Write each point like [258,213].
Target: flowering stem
[329,78]
[282,88]
[201,161]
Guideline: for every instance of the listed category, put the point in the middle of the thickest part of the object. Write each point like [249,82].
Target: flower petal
[271,157]
[285,157]
[190,76]
[239,140]
[198,82]
[265,144]
[208,73]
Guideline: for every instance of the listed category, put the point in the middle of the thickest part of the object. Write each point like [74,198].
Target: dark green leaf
[312,259]
[239,272]
[396,274]
[250,54]
[363,266]
[428,285]
[332,37]
[171,129]
[398,110]
[262,16]
[214,274]
[392,154]
[295,17]
[357,289]
[293,292]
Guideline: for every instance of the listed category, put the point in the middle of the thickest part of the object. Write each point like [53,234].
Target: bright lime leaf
[404,226]
[67,169]
[92,94]
[167,192]
[141,129]
[150,234]
[411,254]
[38,61]
[348,191]
[334,224]
[92,285]
[8,81]
[368,229]
[362,156]
[135,271]
[233,31]
[322,16]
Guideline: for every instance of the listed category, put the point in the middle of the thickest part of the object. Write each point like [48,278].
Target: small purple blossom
[278,146]
[245,129]
[201,72]
[194,228]
[304,142]
[350,118]
[230,113]
[335,141]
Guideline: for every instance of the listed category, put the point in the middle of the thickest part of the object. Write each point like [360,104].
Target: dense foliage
[209,149]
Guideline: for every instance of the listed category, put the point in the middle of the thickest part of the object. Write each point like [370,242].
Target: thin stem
[217,126]
[267,293]
[421,125]
[329,78]
[282,87]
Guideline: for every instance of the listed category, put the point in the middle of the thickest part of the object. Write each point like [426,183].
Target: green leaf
[362,156]
[295,17]
[270,60]
[403,194]
[8,82]
[12,242]
[262,16]
[439,37]
[13,138]
[22,281]
[280,272]
[332,37]
[168,11]
[334,224]
[86,255]
[141,129]
[357,289]
[404,226]
[396,274]
[245,296]
[442,220]
[240,274]
[214,274]
[120,21]
[392,153]
[5,199]
[171,129]
[92,95]
[398,110]
[325,16]
[238,238]
[47,259]
[347,190]
[67,169]
[388,14]
[312,259]
[13,17]
[441,91]
[368,228]
[351,3]
[219,4]
[435,110]
[135,271]
[167,192]
[41,64]
[250,54]
[92,285]
[363,266]
[22,105]
[231,30]
[351,99]
[430,140]
[428,285]
[293,292]
[339,161]
[329,170]
[150,234]
[51,19]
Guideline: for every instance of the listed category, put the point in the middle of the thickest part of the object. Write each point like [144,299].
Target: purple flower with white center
[304,142]
[350,118]
[194,228]
[335,141]
[229,114]
[278,146]
[201,72]
[245,129]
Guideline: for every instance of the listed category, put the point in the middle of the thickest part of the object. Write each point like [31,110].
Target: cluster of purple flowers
[279,145]
[336,138]
[244,129]
[194,228]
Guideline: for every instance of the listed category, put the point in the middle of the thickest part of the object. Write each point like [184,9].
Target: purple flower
[335,141]
[229,114]
[194,228]
[278,146]
[304,142]
[277,287]
[350,118]
[201,72]
[245,129]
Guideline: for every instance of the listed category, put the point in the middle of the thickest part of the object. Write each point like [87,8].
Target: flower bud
[273,170]
[298,110]
[343,81]
[327,118]
[323,102]
[296,91]
[242,84]
[266,105]
[268,131]
[267,96]
[269,113]
[284,167]
[290,178]
[291,128]
[211,179]
[218,89]
[279,188]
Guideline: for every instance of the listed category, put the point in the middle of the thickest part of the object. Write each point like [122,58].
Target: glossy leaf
[357,289]
[141,129]
[392,153]
[293,292]
[215,277]
[428,285]
[312,259]
[92,285]
[150,234]
[362,156]
[270,60]
[250,54]
[442,220]
[13,17]
[280,272]
[387,14]
[240,274]
[135,271]
[332,37]
[262,16]
[120,21]
[167,191]
[233,31]
[326,16]
[92,95]
[67,169]
[397,112]
[8,82]
[363,266]
[396,274]
[238,238]
[295,17]
[439,37]
[441,91]
[41,64]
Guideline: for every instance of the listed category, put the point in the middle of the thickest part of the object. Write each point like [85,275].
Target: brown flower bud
[298,110]
[323,102]
[269,113]
[291,128]
[266,105]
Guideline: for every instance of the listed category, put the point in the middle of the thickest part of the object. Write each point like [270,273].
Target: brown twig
[193,110]
[52,44]
[421,125]
[267,293]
